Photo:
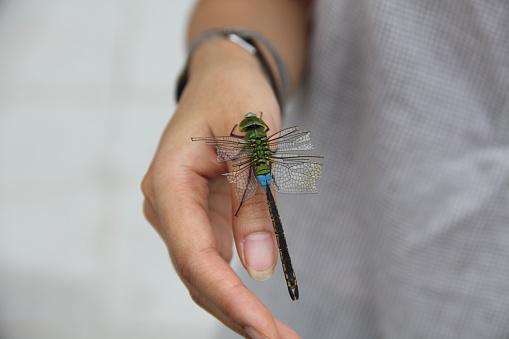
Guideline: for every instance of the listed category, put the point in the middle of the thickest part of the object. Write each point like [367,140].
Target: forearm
[282,22]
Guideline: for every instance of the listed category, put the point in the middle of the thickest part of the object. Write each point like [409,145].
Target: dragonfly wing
[296,173]
[228,148]
[290,139]
[245,182]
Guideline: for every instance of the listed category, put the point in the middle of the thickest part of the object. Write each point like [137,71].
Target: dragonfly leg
[238,209]
[245,190]
[274,181]
[235,135]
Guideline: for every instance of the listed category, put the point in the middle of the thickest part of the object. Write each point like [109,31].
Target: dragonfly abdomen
[286,262]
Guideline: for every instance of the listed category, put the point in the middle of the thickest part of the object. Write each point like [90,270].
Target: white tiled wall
[86,88]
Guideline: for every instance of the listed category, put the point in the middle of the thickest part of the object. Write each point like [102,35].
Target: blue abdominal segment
[264,180]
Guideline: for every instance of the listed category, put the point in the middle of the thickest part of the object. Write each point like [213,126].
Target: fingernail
[259,255]
[252,333]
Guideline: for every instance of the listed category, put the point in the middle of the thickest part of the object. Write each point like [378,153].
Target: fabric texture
[409,235]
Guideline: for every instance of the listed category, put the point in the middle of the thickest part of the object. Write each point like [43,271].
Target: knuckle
[146,185]
[196,296]
[190,267]
[180,262]
[153,219]
[147,210]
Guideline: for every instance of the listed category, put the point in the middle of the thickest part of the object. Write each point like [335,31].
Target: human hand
[190,204]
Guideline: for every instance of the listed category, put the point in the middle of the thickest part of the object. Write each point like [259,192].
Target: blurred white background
[86,88]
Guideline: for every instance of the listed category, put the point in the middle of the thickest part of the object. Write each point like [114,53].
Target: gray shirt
[409,235]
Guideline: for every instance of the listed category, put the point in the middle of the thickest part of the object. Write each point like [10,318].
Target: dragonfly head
[251,121]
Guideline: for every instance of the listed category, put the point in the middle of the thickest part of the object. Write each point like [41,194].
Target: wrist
[232,75]
[221,55]
[235,41]
[226,70]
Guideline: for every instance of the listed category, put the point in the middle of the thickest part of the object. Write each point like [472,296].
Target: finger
[201,299]
[192,247]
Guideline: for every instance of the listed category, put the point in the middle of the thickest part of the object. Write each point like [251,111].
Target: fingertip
[260,275]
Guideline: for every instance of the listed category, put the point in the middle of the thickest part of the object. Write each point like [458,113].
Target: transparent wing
[295,173]
[228,148]
[290,139]
[245,182]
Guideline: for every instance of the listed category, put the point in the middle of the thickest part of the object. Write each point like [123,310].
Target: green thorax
[257,146]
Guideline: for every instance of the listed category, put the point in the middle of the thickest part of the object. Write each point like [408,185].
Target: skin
[187,200]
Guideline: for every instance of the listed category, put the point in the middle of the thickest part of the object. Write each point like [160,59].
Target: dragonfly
[258,160]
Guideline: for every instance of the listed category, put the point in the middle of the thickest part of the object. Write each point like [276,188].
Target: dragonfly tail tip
[294,293]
